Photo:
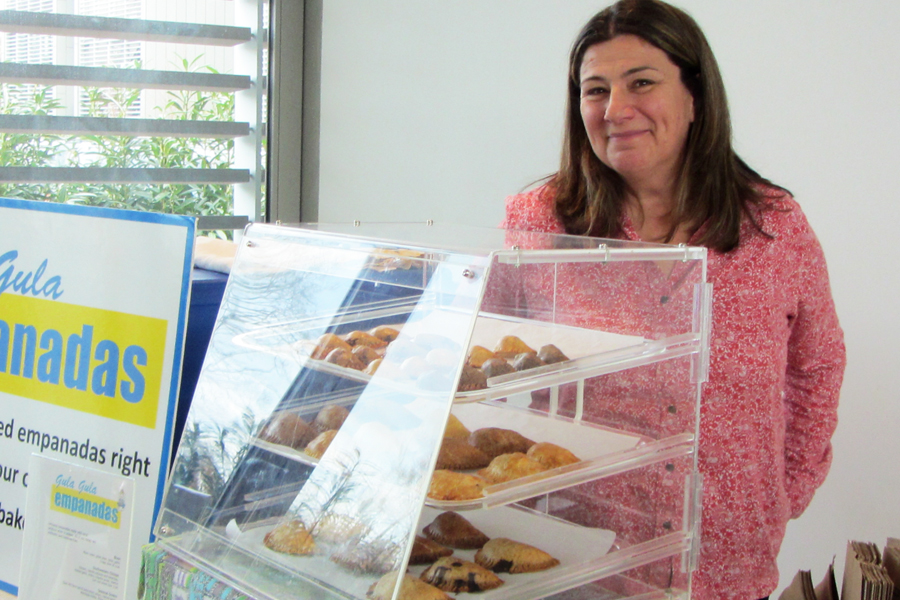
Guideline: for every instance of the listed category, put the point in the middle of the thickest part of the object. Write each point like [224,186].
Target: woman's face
[636,111]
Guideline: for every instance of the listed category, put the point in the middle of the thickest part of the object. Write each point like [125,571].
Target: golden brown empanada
[365,354]
[551,456]
[286,429]
[457,454]
[361,338]
[503,555]
[455,575]
[330,417]
[471,379]
[450,485]
[454,530]
[328,342]
[550,354]
[344,358]
[410,589]
[290,537]
[455,428]
[495,441]
[317,447]
[477,356]
[507,467]
[510,345]
[385,333]
[425,551]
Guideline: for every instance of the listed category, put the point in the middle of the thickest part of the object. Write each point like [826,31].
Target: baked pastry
[503,555]
[425,551]
[317,447]
[455,428]
[373,366]
[361,338]
[365,354]
[378,556]
[471,379]
[334,528]
[450,485]
[454,530]
[326,343]
[344,358]
[455,575]
[526,360]
[458,454]
[494,367]
[510,345]
[550,354]
[410,589]
[495,441]
[330,417]
[551,456]
[290,537]
[286,429]
[385,333]
[507,467]
[479,354]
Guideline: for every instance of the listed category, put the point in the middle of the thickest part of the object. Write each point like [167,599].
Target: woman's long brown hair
[715,188]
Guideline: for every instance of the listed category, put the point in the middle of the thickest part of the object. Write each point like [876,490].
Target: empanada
[458,454]
[286,429]
[550,354]
[503,555]
[551,456]
[450,485]
[495,367]
[454,530]
[385,333]
[290,537]
[507,467]
[495,441]
[455,428]
[410,589]
[456,575]
[471,379]
[510,345]
[425,551]
[328,342]
[317,447]
[525,361]
[330,417]
[477,356]
[361,338]
[344,358]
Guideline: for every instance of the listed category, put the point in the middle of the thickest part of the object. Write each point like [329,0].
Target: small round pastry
[344,358]
[494,367]
[330,417]
[479,354]
[290,537]
[550,354]
[385,333]
[507,467]
[471,379]
[328,342]
[361,338]
[503,555]
[317,447]
[551,456]
[365,354]
[526,360]
[286,429]
[495,441]
[455,575]
[510,345]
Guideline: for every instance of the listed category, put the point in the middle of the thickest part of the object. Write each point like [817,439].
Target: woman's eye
[593,91]
[640,83]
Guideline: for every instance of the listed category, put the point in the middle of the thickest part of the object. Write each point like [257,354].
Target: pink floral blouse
[769,407]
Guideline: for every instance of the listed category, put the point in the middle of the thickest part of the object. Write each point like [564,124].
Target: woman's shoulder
[780,217]
[533,210]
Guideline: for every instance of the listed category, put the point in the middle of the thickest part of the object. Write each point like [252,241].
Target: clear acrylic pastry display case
[345,357]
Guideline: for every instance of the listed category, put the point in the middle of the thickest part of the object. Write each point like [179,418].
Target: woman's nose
[619,106]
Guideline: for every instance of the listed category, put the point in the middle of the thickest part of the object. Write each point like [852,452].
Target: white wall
[438,109]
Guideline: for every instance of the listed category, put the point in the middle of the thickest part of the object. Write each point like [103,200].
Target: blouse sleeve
[815,368]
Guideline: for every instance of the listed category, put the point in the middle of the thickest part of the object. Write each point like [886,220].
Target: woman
[648,157]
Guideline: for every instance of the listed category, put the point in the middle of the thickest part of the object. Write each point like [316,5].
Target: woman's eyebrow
[627,73]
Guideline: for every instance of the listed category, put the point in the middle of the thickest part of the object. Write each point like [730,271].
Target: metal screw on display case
[468,273]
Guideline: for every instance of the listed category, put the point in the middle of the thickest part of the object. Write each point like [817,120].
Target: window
[146,104]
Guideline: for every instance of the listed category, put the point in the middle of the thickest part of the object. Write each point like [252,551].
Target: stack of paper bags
[891,561]
[865,577]
[801,587]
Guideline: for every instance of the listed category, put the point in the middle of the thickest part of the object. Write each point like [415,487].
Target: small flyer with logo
[78,537]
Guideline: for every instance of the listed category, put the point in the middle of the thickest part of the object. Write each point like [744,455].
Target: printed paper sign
[80,522]
[93,303]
